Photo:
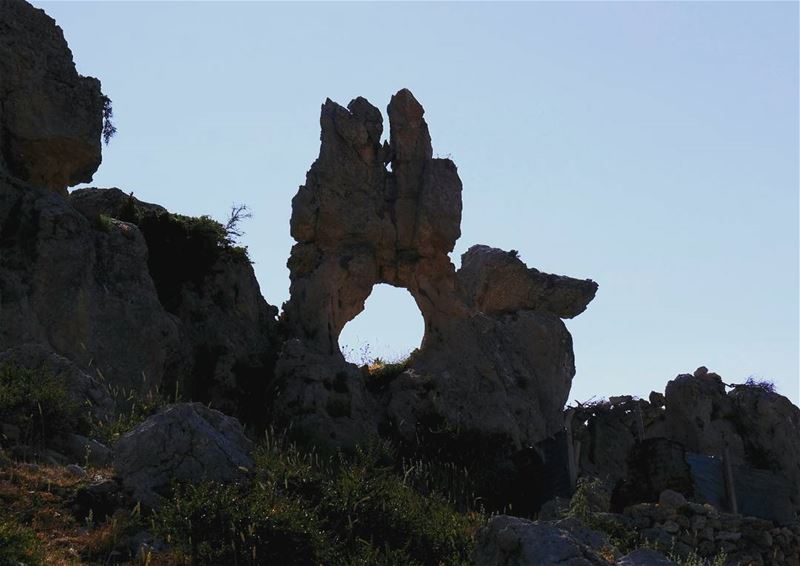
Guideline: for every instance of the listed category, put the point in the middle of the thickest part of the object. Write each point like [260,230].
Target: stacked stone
[684,527]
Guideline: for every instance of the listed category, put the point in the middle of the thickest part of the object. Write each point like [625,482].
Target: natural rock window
[389,328]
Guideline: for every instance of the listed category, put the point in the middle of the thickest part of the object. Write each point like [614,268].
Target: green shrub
[217,524]
[18,544]
[304,509]
[39,404]
[366,500]
[131,408]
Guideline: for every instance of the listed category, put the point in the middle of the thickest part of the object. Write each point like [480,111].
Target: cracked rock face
[496,360]
[50,116]
[186,442]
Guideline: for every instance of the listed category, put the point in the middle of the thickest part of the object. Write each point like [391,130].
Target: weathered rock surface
[645,557]
[496,361]
[123,289]
[50,117]
[227,331]
[81,290]
[84,390]
[185,442]
[512,541]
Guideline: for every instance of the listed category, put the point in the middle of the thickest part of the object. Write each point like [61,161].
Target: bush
[217,524]
[131,408]
[764,385]
[18,544]
[303,509]
[39,404]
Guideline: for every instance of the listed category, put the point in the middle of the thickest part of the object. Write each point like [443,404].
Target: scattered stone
[98,500]
[10,433]
[186,442]
[87,450]
[645,557]
[670,498]
[76,471]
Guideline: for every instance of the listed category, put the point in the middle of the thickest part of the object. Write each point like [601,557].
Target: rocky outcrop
[679,440]
[82,389]
[51,118]
[81,290]
[227,333]
[123,289]
[496,361]
[186,442]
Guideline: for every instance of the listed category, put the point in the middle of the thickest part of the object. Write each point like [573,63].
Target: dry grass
[37,496]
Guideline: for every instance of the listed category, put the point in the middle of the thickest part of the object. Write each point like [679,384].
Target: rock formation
[123,289]
[496,361]
[185,442]
[50,117]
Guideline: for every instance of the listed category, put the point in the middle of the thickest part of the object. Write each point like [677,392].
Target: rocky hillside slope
[154,408]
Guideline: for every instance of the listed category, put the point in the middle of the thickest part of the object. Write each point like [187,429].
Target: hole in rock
[389,328]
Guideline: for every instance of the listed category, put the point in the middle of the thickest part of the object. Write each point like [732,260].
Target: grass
[131,408]
[303,509]
[39,404]
[37,525]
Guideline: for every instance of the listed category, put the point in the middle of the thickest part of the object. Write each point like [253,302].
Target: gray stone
[512,541]
[86,450]
[645,557]
[671,498]
[76,470]
[186,442]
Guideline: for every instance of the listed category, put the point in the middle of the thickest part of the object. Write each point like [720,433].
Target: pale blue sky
[652,147]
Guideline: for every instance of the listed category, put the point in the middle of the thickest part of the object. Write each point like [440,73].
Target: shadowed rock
[50,117]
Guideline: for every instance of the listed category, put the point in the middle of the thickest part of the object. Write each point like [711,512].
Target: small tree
[238,213]
[108,127]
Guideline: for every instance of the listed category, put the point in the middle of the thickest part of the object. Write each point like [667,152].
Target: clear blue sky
[652,147]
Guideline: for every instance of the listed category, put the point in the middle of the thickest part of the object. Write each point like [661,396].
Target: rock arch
[496,360]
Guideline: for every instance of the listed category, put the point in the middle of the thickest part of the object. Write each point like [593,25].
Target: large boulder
[51,117]
[496,361]
[186,442]
[513,541]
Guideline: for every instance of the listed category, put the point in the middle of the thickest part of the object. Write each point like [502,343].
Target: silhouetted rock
[227,331]
[51,118]
[496,361]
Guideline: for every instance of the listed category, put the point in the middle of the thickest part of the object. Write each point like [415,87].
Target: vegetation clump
[303,509]
[38,403]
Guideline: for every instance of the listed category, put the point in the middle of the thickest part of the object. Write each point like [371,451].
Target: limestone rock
[645,557]
[227,331]
[186,442]
[496,361]
[84,390]
[697,413]
[495,281]
[50,116]
[771,432]
[81,290]
[512,541]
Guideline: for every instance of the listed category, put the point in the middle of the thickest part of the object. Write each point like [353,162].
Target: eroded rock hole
[388,329]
